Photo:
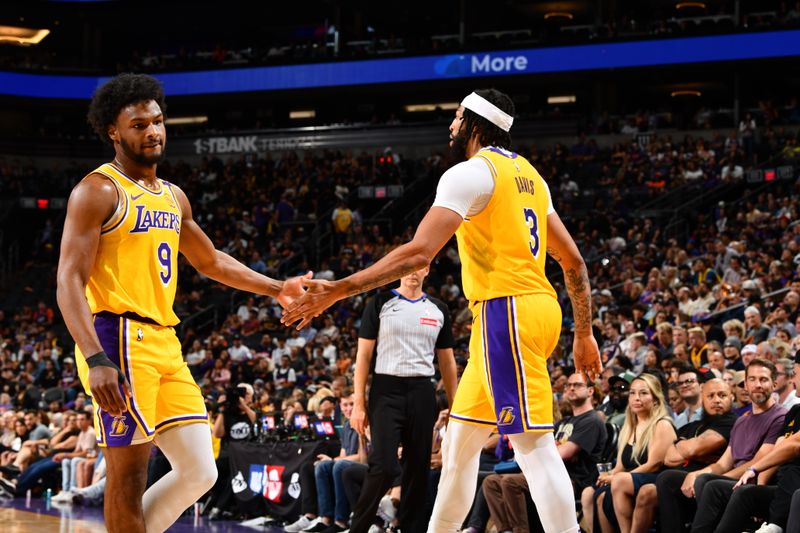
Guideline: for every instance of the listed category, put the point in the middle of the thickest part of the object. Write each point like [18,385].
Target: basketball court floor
[19,516]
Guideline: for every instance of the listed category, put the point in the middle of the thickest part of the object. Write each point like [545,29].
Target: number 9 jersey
[503,248]
[136,266]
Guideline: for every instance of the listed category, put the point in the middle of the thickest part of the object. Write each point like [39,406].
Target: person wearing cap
[619,389]
[239,352]
[510,219]
[749,352]
[731,349]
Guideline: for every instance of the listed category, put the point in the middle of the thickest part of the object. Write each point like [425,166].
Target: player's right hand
[587,357]
[107,389]
[359,420]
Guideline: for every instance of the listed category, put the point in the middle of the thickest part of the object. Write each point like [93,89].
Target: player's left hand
[587,357]
[292,289]
[319,296]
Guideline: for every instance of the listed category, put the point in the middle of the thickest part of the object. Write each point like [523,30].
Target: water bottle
[48,495]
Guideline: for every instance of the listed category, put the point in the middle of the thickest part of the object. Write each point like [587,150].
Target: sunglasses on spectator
[686,382]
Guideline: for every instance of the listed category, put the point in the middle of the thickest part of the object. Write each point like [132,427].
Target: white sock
[461,451]
[548,480]
[194,472]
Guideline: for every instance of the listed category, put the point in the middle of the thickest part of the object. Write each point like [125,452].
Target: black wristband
[101,359]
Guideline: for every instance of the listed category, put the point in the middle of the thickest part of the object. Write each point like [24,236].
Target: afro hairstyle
[118,93]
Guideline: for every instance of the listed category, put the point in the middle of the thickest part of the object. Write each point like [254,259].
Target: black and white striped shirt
[407,333]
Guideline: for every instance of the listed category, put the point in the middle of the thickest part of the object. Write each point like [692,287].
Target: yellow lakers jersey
[136,268]
[504,247]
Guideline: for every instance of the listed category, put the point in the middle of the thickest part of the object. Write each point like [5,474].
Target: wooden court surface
[19,521]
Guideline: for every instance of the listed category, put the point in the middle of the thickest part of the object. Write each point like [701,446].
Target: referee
[405,328]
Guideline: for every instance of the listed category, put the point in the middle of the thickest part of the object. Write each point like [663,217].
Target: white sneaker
[374,528]
[386,509]
[258,523]
[302,523]
[64,496]
[769,528]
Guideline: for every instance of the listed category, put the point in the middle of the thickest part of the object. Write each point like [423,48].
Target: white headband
[483,107]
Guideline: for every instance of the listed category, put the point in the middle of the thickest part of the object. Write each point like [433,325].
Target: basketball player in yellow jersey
[501,212]
[116,284]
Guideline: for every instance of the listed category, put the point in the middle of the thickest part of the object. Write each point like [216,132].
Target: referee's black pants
[402,411]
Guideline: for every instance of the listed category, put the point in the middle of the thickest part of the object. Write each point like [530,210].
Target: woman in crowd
[643,441]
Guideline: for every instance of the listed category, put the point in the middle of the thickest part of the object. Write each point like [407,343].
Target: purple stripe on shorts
[505,388]
[118,430]
[181,419]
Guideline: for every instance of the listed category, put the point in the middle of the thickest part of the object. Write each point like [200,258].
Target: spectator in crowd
[284,377]
[239,353]
[698,348]
[580,438]
[334,508]
[779,320]
[699,443]
[85,448]
[676,404]
[619,390]
[762,498]
[92,494]
[784,384]
[752,437]
[643,442]
[611,344]
[689,388]
[749,352]
[233,423]
[732,349]
[62,443]
[716,362]
[756,332]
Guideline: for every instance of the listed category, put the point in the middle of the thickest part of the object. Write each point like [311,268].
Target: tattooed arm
[432,234]
[563,249]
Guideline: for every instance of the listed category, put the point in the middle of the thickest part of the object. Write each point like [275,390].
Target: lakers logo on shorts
[118,427]
[506,416]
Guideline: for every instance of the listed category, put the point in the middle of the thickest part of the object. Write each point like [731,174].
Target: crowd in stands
[685,308]
[318,42]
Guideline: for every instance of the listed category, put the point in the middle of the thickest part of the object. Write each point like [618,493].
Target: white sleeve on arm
[465,188]
[550,208]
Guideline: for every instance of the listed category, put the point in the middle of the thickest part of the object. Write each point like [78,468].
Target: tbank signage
[737,47]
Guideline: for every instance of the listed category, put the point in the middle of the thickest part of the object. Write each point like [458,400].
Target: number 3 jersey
[135,270]
[503,246]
